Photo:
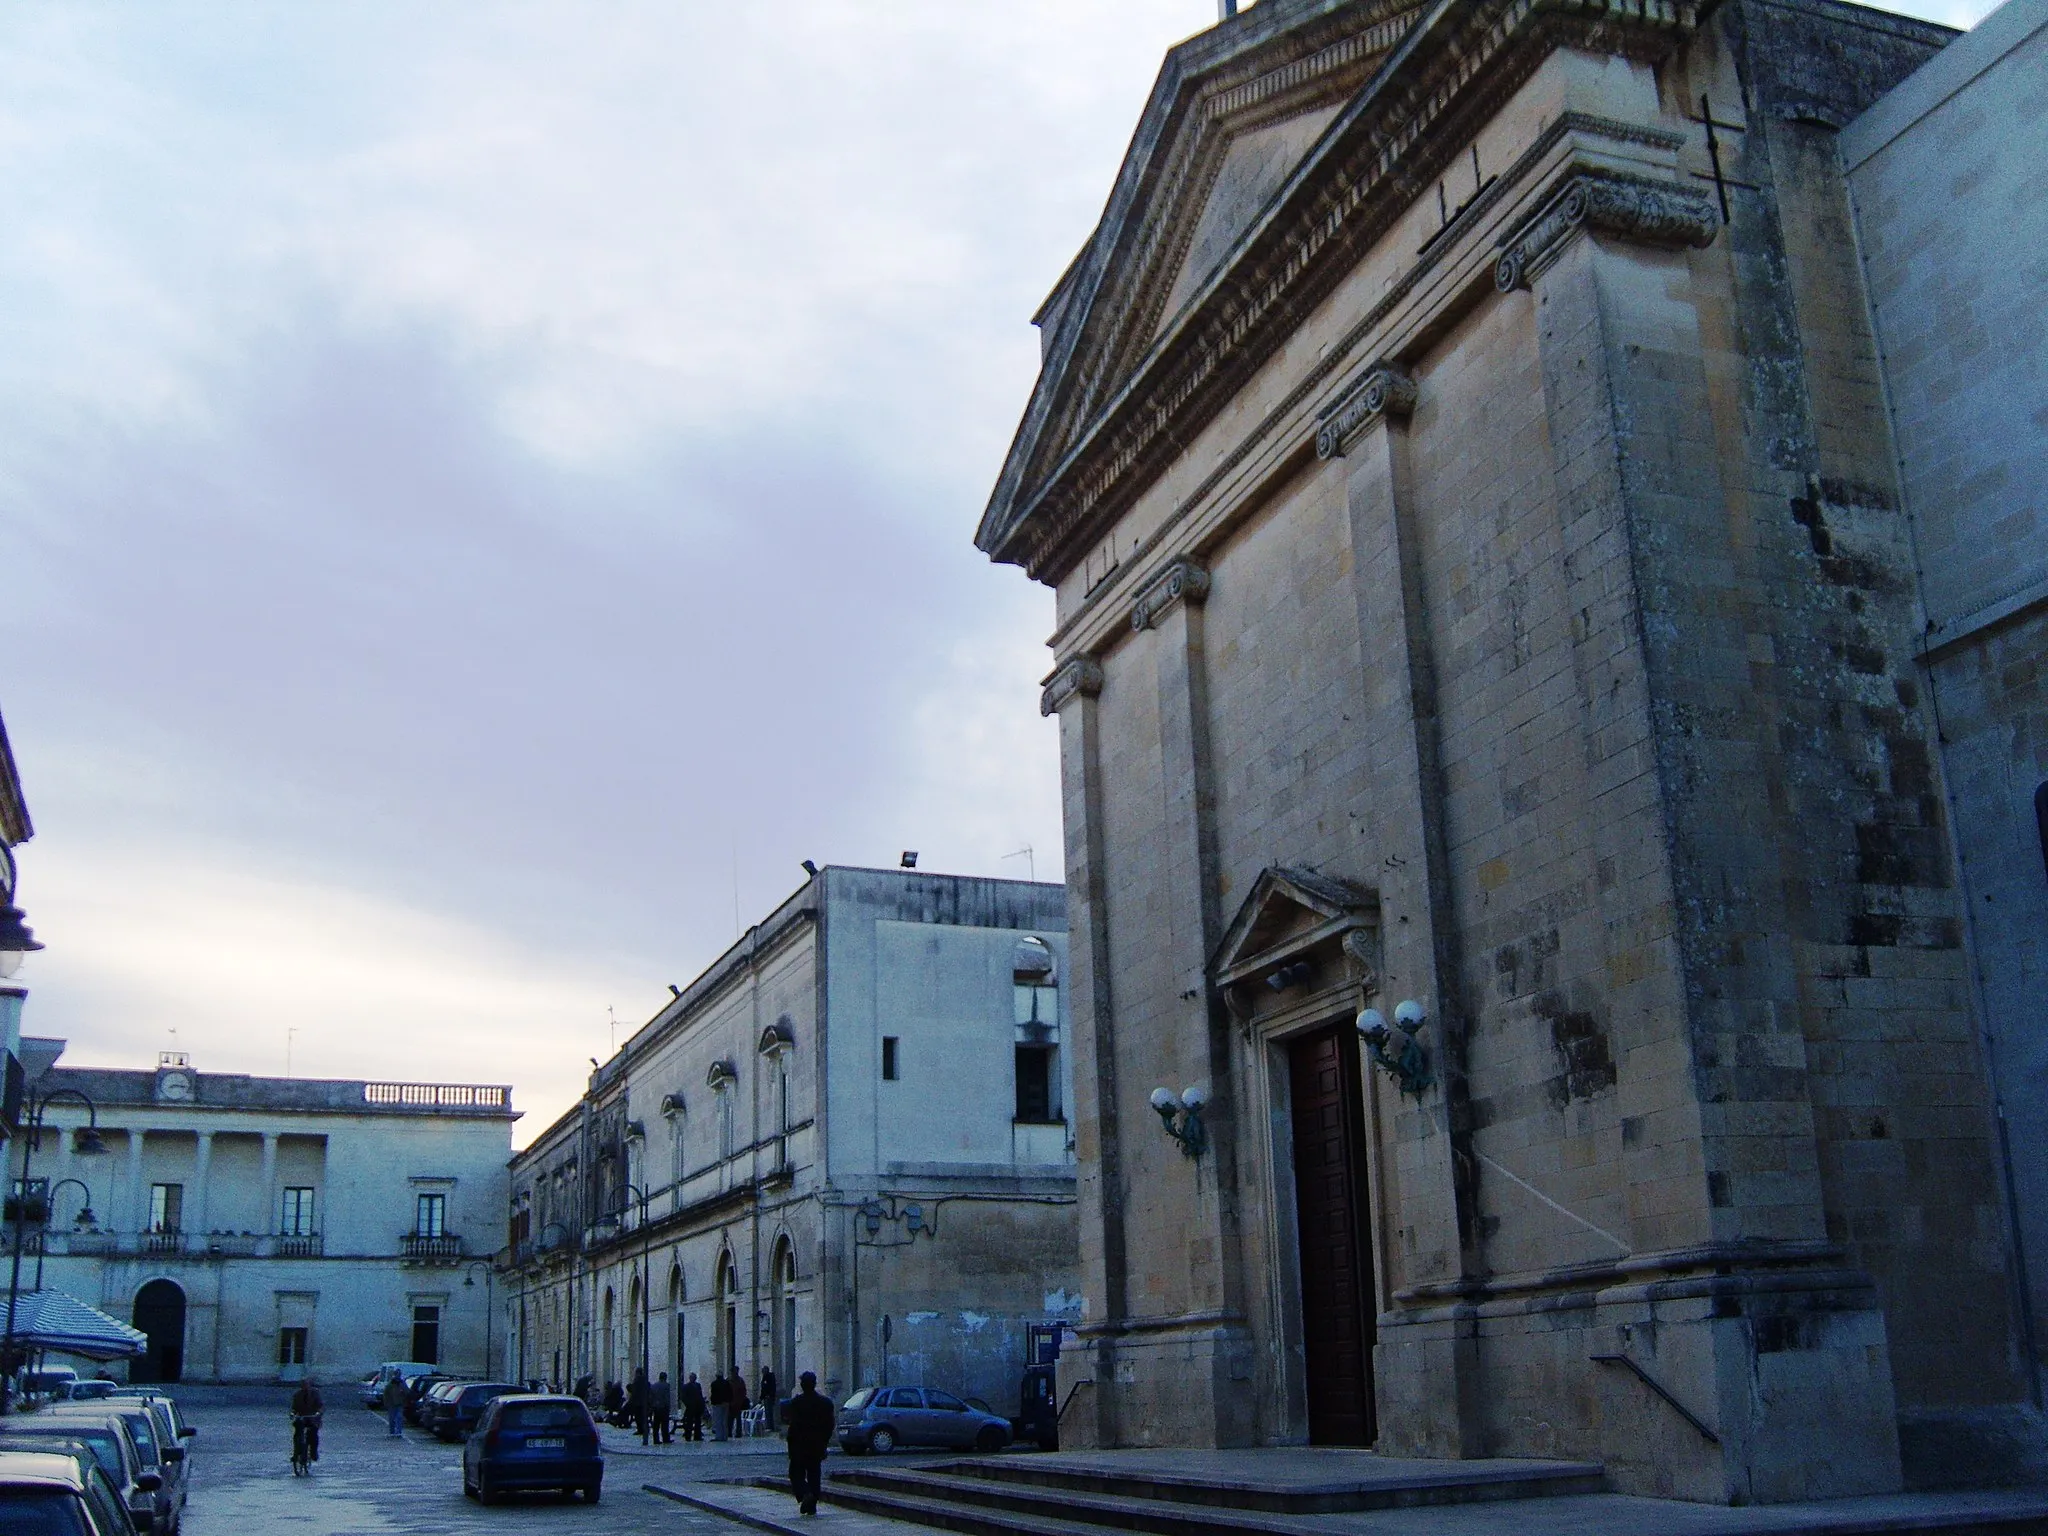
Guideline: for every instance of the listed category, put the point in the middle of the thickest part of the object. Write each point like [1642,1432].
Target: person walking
[664,1412]
[640,1402]
[768,1395]
[721,1406]
[693,1409]
[394,1405]
[811,1417]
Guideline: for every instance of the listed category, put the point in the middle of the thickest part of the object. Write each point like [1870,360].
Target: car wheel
[468,1488]
[485,1494]
[592,1492]
[883,1440]
[990,1439]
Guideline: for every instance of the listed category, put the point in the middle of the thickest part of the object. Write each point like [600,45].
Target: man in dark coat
[693,1408]
[721,1406]
[810,1418]
[664,1412]
[768,1394]
[640,1402]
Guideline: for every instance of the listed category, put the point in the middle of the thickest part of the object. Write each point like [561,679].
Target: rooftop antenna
[288,1049]
[1030,860]
[736,888]
[614,1019]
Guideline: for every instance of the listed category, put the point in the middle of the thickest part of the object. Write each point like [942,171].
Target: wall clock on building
[176,1087]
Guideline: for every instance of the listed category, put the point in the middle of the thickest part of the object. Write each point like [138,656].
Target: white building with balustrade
[267,1228]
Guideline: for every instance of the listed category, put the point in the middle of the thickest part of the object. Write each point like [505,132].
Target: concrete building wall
[788,1242]
[349,1278]
[1952,220]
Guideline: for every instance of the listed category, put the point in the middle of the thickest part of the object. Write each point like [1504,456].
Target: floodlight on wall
[1394,1046]
[1182,1117]
[1290,976]
[909,859]
[810,869]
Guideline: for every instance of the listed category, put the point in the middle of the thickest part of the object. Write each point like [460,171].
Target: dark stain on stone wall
[1584,1056]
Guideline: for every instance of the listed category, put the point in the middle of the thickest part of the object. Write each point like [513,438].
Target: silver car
[881,1418]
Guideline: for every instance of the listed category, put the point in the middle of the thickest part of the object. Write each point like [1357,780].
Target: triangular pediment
[1235,112]
[1288,912]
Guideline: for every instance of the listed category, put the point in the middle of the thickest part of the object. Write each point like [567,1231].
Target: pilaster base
[1183,1382]
[1728,1385]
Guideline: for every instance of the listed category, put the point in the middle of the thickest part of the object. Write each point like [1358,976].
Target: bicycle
[304,1428]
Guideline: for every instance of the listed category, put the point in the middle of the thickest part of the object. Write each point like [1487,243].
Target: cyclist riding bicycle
[306,1410]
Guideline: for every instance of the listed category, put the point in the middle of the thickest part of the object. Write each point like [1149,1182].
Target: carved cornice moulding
[1181,581]
[1079,678]
[1452,70]
[1382,390]
[1649,213]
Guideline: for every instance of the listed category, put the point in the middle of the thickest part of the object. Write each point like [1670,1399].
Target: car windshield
[859,1400]
[545,1416]
[84,1391]
[106,1450]
[40,1512]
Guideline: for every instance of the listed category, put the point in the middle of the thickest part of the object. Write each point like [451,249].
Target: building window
[426,1330]
[1034,1083]
[291,1346]
[727,1144]
[888,1058]
[1036,987]
[296,1220]
[431,1221]
[166,1207]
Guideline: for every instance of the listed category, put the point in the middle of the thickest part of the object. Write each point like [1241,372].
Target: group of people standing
[652,1408]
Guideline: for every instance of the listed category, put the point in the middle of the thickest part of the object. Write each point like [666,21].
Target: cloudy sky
[486,489]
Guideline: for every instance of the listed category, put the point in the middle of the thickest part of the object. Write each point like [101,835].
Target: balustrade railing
[415,1246]
[300,1245]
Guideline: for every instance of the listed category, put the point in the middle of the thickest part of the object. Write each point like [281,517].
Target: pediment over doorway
[1295,916]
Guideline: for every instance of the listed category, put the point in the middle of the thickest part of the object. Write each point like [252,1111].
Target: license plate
[545,1443]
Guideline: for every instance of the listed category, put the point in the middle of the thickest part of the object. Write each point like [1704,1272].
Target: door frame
[1274,1037]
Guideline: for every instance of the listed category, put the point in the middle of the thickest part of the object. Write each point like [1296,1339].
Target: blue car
[530,1440]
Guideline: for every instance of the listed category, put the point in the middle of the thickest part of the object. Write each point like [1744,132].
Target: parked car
[182,1432]
[459,1412]
[416,1389]
[57,1496]
[372,1390]
[152,1444]
[45,1385]
[434,1401]
[88,1391]
[881,1418]
[110,1448]
[530,1440]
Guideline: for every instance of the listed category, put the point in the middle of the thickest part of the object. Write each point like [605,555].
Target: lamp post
[86,1221]
[490,1302]
[89,1145]
[639,1195]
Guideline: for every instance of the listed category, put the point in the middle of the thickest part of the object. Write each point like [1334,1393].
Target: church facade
[1483,599]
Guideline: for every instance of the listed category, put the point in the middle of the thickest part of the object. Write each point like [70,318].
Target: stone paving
[366,1482]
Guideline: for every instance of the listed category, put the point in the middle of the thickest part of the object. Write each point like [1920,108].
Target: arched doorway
[607,1340]
[728,1315]
[679,1371]
[636,1339]
[160,1313]
[784,1315]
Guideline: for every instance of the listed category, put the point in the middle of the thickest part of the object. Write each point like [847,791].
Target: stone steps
[1020,1498]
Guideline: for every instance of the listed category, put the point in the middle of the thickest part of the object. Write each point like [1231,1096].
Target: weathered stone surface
[1590,653]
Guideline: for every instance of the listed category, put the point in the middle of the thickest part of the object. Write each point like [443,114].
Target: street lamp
[85,1222]
[490,1301]
[646,1285]
[16,939]
[88,1145]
